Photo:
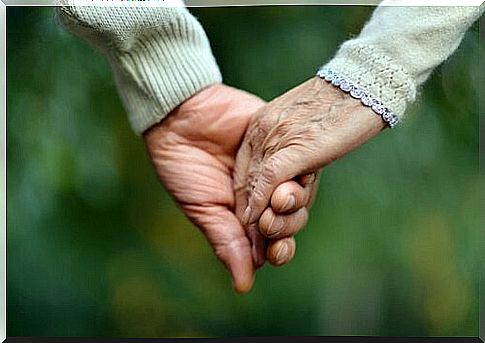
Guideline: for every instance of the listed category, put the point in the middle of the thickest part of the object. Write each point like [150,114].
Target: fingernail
[246,216]
[289,204]
[272,229]
[282,253]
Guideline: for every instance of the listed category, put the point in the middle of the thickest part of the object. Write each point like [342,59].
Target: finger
[281,251]
[280,167]
[276,226]
[289,197]
[259,244]
[240,178]
[258,241]
[310,183]
[230,243]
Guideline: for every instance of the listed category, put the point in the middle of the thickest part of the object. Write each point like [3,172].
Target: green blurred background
[96,247]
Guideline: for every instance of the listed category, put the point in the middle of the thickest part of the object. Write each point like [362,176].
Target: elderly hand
[291,138]
[193,151]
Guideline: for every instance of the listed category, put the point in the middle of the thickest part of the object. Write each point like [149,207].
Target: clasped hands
[245,172]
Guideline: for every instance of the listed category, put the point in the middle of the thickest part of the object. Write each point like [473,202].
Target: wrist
[347,123]
[355,91]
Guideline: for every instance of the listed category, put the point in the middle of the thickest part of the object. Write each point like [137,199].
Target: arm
[160,56]
[398,49]
[164,69]
[316,123]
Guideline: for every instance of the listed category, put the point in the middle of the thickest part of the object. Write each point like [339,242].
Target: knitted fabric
[398,49]
[160,56]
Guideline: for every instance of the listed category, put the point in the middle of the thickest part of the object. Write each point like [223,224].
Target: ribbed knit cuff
[160,56]
[369,68]
[162,71]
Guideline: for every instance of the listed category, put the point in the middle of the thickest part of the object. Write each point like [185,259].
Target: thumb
[230,243]
[258,241]
[280,167]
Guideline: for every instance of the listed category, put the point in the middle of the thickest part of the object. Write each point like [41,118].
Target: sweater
[161,56]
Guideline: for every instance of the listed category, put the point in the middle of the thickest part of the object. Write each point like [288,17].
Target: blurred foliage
[96,247]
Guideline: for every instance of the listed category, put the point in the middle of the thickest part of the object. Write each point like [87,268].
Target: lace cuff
[358,93]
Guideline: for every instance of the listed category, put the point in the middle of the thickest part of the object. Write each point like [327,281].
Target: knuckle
[271,167]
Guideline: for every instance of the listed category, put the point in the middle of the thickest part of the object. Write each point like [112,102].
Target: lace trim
[358,93]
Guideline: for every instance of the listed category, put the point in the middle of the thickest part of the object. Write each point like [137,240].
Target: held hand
[193,151]
[295,135]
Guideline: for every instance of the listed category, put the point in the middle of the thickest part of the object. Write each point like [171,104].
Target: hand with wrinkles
[193,151]
[288,141]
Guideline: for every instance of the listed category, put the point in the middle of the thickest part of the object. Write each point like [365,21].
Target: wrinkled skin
[296,134]
[193,151]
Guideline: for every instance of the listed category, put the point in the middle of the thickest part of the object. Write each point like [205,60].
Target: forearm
[160,56]
[398,49]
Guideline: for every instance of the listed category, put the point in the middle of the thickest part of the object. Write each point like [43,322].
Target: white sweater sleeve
[160,56]
[399,47]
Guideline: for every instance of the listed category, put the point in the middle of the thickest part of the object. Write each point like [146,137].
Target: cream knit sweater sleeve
[160,56]
[399,47]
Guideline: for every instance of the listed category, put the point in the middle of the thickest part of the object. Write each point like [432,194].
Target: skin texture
[193,151]
[296,134]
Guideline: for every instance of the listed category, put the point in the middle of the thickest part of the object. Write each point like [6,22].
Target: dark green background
[96,247]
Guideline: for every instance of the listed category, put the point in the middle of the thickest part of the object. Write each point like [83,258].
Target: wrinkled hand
[291,138]
[193,151]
